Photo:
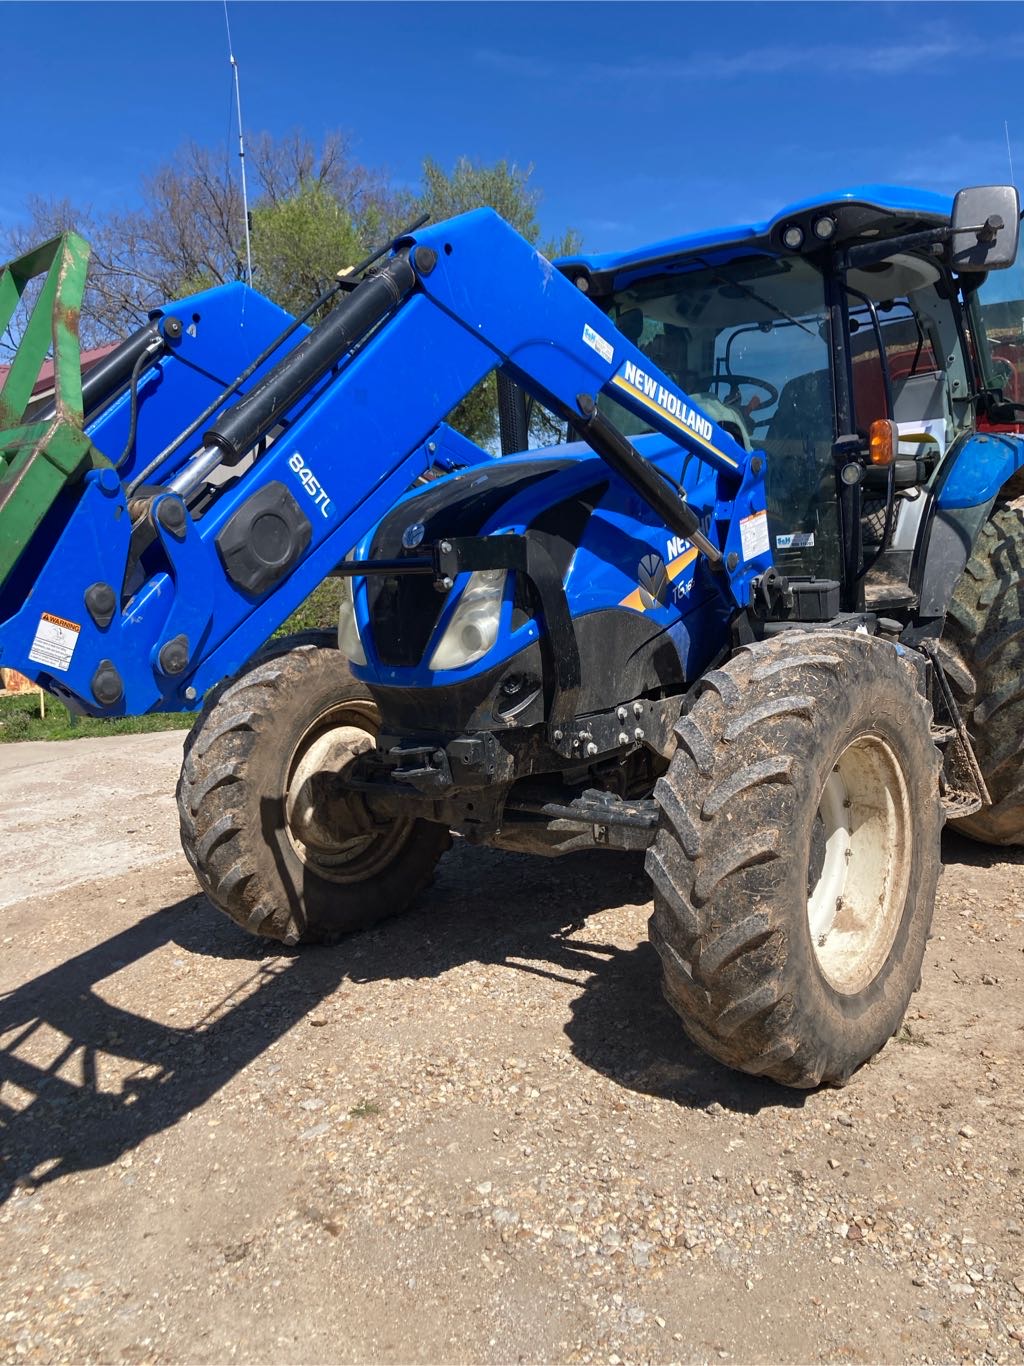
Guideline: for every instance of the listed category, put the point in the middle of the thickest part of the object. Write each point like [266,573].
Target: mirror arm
[868,253]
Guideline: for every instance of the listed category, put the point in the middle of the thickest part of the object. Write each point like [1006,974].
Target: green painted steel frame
[37,459]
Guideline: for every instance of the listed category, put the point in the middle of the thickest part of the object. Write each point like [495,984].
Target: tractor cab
[856,332]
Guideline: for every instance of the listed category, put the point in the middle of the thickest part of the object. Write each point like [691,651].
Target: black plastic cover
[263,539]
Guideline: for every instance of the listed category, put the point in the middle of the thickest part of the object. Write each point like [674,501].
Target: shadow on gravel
[485,907]
[970,854]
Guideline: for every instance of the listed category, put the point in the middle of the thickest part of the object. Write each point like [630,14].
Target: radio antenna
[241,148]
[1009,154]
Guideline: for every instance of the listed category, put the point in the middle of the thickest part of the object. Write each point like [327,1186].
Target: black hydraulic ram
[104,380]
[296,373]
[605,438]
[238,430]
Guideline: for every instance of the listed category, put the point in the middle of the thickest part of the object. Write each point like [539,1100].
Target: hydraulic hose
[344,281]
[104,380]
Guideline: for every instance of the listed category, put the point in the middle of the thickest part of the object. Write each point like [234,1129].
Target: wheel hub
[328,821]
[859,865]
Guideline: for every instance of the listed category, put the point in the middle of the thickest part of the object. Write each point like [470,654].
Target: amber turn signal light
[882,441]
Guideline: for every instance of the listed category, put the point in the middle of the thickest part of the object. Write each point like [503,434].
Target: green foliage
[504,187]
[20,720]
[314,211]
[300,243]
[366,1109]
[318,613]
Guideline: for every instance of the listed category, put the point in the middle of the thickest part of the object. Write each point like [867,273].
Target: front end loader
[743,619]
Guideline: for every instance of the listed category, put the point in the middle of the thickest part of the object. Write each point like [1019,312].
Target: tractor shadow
[968,853]
[524,914]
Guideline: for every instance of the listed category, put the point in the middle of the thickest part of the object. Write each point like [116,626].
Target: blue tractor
[759,614]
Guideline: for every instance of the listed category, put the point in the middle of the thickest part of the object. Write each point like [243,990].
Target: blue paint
[893,198]
[364,434]
[976,469]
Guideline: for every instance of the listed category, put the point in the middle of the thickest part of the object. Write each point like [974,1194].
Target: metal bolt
[637,709]
[638,733]
[575,742]
[558,735]
[447,581]
[623,738]
[431,446]
[621,713]
[446,547]
[190,694]
[591,749]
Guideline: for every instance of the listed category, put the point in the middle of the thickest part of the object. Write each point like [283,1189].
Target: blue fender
[966,489]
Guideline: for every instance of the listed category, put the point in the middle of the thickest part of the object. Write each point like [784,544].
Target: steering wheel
[737,380]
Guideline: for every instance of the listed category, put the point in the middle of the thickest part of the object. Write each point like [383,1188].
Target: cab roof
[920,207]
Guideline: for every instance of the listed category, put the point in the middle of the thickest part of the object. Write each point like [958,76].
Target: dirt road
[474,1135]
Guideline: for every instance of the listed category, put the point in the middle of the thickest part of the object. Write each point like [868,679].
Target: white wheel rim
[330,830]
[864,844]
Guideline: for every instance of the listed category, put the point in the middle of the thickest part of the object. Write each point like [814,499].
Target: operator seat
[801,487]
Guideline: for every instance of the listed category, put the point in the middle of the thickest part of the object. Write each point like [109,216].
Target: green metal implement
[38,459]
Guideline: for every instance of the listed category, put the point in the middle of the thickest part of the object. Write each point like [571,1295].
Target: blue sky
[641,120]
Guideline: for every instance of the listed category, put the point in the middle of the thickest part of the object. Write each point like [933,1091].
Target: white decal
[311,483]
[795,540]
[678,545]
[648,387]
[754,535]
[597,343]
[54,642]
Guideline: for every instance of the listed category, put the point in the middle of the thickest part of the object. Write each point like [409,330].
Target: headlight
[348,631]
[473,628]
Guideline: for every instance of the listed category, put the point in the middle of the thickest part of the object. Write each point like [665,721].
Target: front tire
[797,860]
[276,841]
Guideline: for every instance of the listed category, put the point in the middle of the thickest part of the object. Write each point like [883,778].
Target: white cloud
[888,59]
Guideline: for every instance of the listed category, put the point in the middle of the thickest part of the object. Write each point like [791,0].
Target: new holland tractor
[760,614]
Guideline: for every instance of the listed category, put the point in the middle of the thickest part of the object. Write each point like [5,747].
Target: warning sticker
[754,535]
[54,641]
[597,343]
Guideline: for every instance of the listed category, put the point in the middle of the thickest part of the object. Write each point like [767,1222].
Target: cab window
[747,340]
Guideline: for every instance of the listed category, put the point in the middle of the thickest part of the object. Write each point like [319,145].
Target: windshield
[999,310]
[748,341]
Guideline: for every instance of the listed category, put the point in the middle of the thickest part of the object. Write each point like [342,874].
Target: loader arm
[152,577]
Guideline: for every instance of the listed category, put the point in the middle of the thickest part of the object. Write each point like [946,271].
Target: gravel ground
[474,1135]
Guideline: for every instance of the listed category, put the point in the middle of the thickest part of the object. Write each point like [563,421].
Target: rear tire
[275,840]
[796,864]
[983,650]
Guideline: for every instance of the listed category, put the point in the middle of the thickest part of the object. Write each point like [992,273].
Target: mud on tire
[271,841]
[983,652]
[777,741]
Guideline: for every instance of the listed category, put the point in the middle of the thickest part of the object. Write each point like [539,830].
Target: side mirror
[986,226]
